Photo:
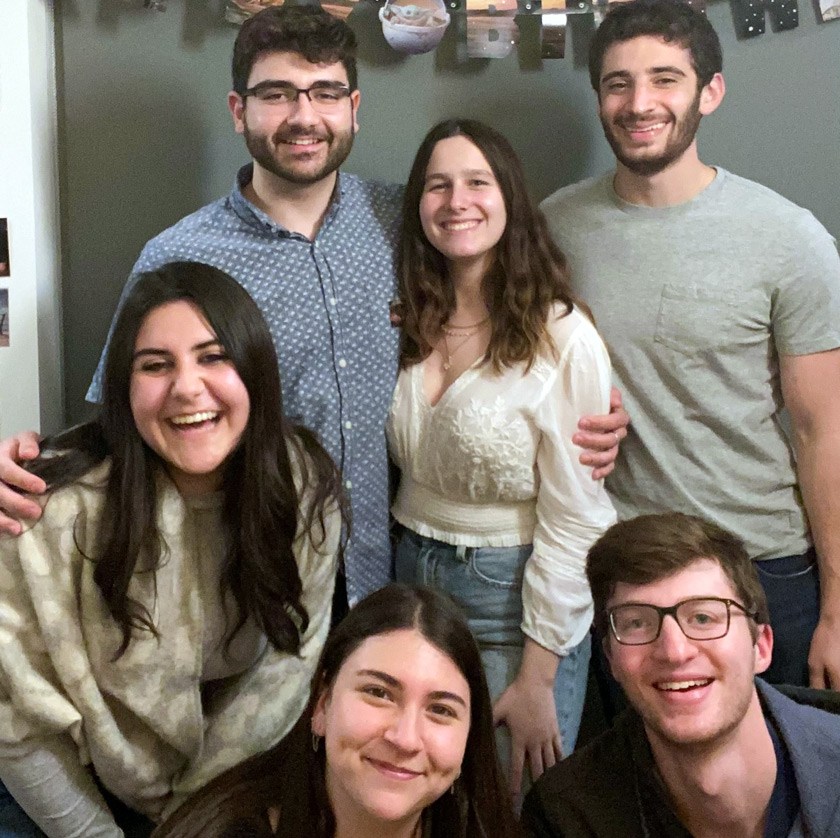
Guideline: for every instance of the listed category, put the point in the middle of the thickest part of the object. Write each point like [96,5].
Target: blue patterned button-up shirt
[326,302]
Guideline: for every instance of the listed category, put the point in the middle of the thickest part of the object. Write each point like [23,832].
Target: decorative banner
[486,28]
[413,27]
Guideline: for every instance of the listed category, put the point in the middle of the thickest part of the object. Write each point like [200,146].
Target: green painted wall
[146,136]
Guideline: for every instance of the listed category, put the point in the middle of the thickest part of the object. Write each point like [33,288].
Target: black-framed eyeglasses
[700,618]
[325,97]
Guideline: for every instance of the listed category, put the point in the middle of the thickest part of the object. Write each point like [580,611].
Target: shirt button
[348,425]
[348,484]
[342,363]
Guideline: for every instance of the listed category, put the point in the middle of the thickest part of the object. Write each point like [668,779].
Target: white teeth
[460,225]
[306,141]
[194,418]
[646,129]
[682,685]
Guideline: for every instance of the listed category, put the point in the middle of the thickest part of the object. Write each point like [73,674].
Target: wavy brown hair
[529,274]
[290,778]
[264,510]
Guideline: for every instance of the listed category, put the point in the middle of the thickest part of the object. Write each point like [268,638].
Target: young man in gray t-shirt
[720,303]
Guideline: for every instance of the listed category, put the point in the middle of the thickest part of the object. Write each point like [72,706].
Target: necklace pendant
[446,366]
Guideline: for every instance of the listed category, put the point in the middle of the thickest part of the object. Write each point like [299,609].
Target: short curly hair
[307,30]
[675,21]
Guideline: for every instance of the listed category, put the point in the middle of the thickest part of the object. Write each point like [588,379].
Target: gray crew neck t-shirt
[696,302]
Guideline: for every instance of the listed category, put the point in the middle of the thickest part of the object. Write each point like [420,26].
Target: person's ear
[236,106]
[355,98]
[763,648]
[319,714]
[712,94]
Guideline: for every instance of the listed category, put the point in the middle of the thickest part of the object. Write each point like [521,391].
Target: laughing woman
[498,364]
[162,620]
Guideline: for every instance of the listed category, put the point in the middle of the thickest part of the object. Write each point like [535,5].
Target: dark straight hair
[528,277]
[290,777]
[263,507]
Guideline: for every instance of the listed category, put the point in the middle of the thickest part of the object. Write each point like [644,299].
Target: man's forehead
[646,54]
[292,66]
[703,577]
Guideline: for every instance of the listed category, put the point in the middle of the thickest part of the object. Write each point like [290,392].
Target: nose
[641,99]
[672,644]
[187,381]
[301,110]
[403,730]
[457,196]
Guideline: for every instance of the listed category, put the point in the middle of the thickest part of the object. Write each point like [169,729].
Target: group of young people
[165,657]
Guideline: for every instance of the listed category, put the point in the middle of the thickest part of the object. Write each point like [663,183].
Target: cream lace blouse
[493,464]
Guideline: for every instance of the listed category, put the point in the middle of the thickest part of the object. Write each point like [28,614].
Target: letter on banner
[553,29]
[749,15]
[491,35]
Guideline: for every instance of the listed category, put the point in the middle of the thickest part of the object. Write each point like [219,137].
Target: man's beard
[260,148]
[683,133]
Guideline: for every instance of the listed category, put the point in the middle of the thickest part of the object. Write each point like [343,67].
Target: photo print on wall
[4,318]
[5,264]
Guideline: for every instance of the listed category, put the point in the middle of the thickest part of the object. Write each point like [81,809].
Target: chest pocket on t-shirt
[693,319]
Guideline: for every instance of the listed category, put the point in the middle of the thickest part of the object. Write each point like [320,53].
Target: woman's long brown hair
[290,777]
[529,274]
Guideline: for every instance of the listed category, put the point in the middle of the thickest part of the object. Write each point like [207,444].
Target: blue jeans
[792,585]
[15,823]
[487,583]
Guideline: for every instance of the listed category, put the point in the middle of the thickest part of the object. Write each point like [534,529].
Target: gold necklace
[465,337]
[463,331]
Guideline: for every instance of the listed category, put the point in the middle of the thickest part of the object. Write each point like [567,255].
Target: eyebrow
[267,84]
[652,71]
[197,348]
[468,172]
[437,695]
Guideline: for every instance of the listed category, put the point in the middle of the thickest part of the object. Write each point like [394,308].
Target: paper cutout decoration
[238,11]
[829,10]
[553,35]
[491,31]
[413,26]
[749,15]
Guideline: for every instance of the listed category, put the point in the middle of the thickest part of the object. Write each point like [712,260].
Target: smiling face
[462,209]
[294,142]
[187,399]
[650,104]
[690,692]
[395,722]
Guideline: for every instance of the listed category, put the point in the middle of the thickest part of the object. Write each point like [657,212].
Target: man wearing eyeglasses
[705,749]
[314,246]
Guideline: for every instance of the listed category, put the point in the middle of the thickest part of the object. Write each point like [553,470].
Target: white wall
[31,390]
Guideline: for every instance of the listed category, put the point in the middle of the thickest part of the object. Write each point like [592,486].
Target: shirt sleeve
[58,792]
[806,304]
[572,508]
